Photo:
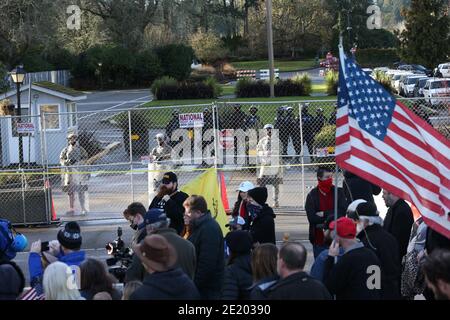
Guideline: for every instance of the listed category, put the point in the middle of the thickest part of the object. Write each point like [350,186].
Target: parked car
[418,87]
[442,70]
[436,91]
[398,80]
[407,85]
[415,68]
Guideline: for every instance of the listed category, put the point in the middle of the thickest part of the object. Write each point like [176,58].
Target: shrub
[326,137]
[286,88]
[162,82]
[331,80]
[384,80]
[229,72]
[176,60]
[305,80]
[147,68]
[212,82]
[168,88]
[248,88]
[207,46]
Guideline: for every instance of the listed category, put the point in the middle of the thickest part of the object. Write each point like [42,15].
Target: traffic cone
[223,189]
[48,186]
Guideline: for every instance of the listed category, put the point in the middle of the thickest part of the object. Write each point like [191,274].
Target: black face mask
[133,226]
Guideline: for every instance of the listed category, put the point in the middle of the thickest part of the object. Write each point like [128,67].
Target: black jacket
[312,206]
[356,187]
[298,286]
[170,285]
[173,208]
[385,246]
[238,279]
[12,280]
[207,238]
[262,227]
[398,222]
[259,290]
[348,278]
[186,258]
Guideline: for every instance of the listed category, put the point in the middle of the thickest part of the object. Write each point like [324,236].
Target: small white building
[49,113]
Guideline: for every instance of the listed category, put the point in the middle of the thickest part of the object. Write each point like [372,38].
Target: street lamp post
[18,75]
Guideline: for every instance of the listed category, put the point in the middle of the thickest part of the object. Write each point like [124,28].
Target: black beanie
[367,209]
[258,194]
[239,241]
[70,236]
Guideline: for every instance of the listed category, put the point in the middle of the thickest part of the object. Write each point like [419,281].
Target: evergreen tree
[426,37]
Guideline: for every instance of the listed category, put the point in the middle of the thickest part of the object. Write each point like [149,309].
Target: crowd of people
[180,251]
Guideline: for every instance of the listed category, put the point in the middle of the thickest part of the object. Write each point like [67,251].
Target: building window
[50,114]
[71,115]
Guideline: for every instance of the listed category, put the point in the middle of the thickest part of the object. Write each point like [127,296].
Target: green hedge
[168,88]
[176,60]
[248,88]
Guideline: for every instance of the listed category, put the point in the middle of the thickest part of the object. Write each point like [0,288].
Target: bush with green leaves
[147,68]
[249,88]
[331,81]
[176,60]
[326,137]
[305,80]
[212,82]
[162,82]
[384,80]
[208,47]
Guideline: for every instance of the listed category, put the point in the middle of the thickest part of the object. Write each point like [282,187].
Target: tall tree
[126,20]
[425,39]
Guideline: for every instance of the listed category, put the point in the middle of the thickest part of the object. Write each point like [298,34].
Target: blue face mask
[253,210]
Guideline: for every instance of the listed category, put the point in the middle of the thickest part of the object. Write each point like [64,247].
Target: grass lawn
[279,64]
[319,88]
[157,114]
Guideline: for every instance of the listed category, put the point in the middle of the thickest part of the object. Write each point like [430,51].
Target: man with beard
[72,182]
[370,232]
[170,200]
[437,273]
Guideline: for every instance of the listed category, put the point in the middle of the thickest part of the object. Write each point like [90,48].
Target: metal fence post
[216,132]
[131,155]
[302,153]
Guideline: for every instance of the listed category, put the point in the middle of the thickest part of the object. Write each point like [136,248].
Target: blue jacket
[36,271]
[318,267]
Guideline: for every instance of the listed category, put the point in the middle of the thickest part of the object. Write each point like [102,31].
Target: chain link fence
[118,159]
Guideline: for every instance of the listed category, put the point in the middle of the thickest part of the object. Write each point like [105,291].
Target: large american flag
[382,141]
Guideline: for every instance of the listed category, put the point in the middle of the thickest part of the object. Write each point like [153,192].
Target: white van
[437,91]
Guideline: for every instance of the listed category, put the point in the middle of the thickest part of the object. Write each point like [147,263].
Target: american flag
[382,141]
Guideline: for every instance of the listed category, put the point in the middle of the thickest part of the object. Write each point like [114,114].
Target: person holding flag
[387,144]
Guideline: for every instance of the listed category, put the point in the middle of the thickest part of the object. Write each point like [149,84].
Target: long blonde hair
[56,283]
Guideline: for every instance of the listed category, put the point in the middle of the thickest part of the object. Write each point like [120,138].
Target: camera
[122,257]
[45,246]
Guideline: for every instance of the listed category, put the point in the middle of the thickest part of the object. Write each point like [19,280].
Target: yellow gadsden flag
[207,185]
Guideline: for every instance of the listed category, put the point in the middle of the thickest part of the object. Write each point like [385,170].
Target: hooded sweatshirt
[263,226]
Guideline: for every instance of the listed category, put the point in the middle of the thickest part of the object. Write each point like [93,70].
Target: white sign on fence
[25,127]
[191,120]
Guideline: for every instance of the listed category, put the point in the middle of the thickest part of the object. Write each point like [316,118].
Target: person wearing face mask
[69,157]
[262,217]
[134,214]
[371,233]
[319,206]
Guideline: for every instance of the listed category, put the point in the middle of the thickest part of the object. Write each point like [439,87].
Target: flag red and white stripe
[411,160]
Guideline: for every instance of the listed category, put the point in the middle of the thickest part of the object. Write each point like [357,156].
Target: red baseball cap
[346,227]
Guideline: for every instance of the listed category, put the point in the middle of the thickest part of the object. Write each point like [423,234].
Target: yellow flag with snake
[207,185]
